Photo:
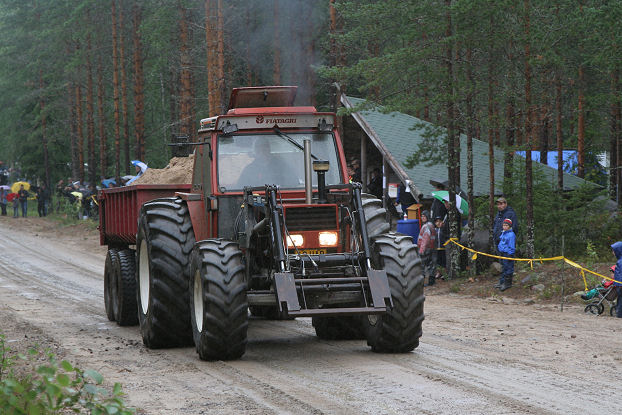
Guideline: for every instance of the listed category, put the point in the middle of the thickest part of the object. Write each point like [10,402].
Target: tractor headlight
[328,238]
[295,240]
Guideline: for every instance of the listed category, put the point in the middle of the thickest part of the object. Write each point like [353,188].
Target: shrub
[54,387]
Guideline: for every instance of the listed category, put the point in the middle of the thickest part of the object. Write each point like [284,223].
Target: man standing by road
[23,200]
[505,212]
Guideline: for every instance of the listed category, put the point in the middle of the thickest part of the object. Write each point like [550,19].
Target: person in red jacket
[426,242]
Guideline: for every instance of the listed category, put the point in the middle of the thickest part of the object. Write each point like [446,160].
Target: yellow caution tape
[581,269]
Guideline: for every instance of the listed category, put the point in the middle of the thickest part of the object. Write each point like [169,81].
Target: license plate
[312,251]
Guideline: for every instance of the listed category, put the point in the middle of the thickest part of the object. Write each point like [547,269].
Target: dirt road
[476,356]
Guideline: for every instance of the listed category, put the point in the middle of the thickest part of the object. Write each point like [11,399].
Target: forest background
[89,85]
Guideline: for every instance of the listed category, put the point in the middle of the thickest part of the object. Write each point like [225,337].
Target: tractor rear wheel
[218,301]
[399,330]
[127,308]
[375,216]
[164,243]
[111,270]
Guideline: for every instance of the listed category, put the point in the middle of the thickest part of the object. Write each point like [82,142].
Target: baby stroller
[604,293]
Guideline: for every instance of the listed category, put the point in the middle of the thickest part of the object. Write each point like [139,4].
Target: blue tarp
[569,159]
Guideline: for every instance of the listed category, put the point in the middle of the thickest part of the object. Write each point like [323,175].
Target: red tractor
[271,225]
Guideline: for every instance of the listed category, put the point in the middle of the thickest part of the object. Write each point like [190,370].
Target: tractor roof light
[323,126]
[320,165]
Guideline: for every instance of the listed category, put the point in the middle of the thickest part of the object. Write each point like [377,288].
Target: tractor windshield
[259,159]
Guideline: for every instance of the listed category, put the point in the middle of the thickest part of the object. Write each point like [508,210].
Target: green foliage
[54,387]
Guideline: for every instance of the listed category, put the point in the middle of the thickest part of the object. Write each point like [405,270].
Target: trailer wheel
[339,328]
[111,270]
[375,216]
[164,243]
[127,308]
[218,302]
[399,330]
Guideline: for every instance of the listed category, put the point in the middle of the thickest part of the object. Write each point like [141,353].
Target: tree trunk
[581,127]
[469,133]
[451,146]
[210,34]
[614,161]
[220,69]
[544,134]
[214,33]
[44,138]
[80,138]
[276,75]
[73,121]
[528,137]
[491,151]
[249,66]
[124,93]
[103,152]
[558,132]
[139,86]
[90,121]
[185,112]
[508,160]
[115,87]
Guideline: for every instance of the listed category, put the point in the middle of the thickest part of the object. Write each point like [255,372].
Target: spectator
[438,208]
[617,275]
[404,198]
[43,200]
[506,248]
[505,212]
[3,200]
[23,199]
[375,184]
[441,238]
[15,205]
[426,243]
[356,168]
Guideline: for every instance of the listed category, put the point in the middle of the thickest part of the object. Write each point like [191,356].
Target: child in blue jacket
[507,248]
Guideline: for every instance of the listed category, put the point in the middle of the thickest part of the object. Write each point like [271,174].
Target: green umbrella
[461,204]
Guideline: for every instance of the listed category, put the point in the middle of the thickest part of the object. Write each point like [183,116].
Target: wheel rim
[143,275]
[198,301]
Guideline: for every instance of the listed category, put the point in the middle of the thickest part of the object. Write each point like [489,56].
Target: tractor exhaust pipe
[308,172]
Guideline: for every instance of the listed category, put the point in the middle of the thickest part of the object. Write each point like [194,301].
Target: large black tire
[111,270]
[218,302]
[375,216]
[164,243]
[127,307]
[399,330]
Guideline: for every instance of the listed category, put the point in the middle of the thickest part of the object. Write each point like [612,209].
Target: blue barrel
[409,227]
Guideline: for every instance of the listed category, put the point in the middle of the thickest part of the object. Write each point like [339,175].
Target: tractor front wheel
[399,330]
[218,301]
